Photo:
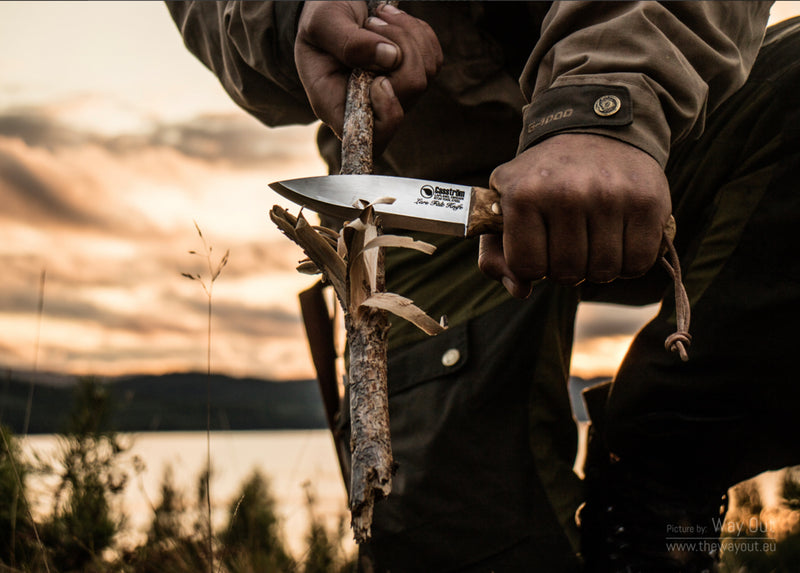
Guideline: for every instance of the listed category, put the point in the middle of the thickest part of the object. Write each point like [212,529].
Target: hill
[170,402]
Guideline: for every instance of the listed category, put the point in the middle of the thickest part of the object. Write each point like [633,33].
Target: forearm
[669,64]
[249,46]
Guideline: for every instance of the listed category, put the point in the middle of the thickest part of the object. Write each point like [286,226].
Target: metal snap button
[451,357]
[607,105]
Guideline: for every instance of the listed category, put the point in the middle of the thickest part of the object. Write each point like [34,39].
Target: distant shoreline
[168,403]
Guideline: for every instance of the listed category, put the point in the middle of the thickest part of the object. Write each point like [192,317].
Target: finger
[340,33]
[605,243]
[420,32]
[387,113]
[641,245]
[326,90]
[567,245]
[492,263]
[420,48]
[525,237]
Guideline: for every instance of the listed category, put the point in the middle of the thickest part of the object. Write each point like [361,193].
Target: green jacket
[671,64]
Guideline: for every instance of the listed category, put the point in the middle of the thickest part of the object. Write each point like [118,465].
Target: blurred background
[114,143]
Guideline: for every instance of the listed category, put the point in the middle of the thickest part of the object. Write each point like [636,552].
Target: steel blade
[419,205]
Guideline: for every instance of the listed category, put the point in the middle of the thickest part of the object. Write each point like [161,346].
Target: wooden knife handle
[485,214]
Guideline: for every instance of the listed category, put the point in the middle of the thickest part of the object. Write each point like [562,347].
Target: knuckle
[352,51]
[433,54]
[637,266]
[431,68]
[642,205]
[490,266]
[517,196]
[566,275]
[606,199]
[528,269]
[486,266]
[489,256]
[603,273]
[332,116]
[415,82]
[497,179]
[564,199]
[391,115]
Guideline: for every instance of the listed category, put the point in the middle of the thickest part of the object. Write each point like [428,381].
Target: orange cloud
[111,219]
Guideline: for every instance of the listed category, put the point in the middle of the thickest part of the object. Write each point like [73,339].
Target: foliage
[325,553]
[17,535]
[82,523]
[81,531]
[764,539]
[252,539]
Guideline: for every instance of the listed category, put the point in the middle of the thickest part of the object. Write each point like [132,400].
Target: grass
[85,529]
[214,270]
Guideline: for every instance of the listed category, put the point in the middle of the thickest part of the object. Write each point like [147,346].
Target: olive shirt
[668,65]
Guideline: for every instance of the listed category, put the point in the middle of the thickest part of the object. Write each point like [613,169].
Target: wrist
[621,107]
[575,107]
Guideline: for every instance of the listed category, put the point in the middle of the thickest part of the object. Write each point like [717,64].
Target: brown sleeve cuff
[570,108]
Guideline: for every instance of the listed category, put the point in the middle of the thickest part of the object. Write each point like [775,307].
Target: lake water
[289,459]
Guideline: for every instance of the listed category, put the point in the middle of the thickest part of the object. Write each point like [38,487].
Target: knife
[419,205]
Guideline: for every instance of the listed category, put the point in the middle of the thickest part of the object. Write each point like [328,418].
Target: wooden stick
[357,273]
[370,443]
[358,124]
[372,463]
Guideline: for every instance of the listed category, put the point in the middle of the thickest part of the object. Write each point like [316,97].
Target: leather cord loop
[680,340]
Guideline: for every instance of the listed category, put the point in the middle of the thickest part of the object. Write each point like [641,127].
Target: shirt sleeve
[646,73]
[250,47]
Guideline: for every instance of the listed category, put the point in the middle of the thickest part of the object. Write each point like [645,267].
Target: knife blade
[420,205]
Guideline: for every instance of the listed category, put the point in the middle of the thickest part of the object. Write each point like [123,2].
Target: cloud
[248,319]
[28,191]
[104,201]
[610,320]
[233,138]
[603,333]
[76,190]
[56,170]
[39,129]
[12,354]
[237,139]
[63,306]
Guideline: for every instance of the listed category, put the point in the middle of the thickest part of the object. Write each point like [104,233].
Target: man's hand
[335,37]
[576,207]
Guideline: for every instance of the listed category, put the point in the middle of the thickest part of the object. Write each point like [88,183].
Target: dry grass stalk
[208,288]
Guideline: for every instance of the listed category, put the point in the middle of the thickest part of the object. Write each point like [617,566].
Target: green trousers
[728,413]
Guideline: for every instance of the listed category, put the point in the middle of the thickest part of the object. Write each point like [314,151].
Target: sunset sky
[113,141]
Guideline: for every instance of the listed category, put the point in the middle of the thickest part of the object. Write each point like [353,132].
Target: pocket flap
[438,356]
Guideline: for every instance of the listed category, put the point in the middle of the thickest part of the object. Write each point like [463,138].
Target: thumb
[338,30]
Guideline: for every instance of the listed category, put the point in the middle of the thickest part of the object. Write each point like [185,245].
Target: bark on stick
[367,327]
[358,123]
[352,262]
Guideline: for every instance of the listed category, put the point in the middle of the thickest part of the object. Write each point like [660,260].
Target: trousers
[727,413]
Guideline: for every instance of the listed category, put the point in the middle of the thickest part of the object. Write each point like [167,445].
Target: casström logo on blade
[426,191]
